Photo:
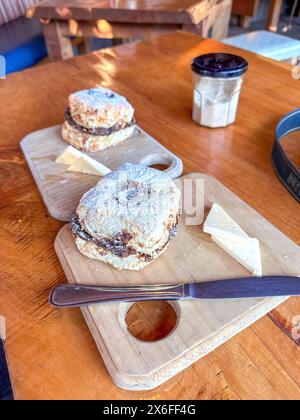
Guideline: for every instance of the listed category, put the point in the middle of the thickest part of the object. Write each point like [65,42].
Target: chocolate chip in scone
[118,244]
[98,131]
[77,229]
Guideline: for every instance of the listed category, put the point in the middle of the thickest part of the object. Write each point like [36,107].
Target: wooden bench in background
[247,9]
[140,20]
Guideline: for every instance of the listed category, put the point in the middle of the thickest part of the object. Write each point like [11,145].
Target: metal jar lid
[220,65]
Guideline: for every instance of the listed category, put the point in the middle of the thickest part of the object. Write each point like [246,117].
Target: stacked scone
[96,119]
[128,218]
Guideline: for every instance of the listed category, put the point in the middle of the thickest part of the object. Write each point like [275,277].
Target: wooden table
[51,352]
[127,19]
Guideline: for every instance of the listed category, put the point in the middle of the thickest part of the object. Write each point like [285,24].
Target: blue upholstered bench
[269,44]
[22,44]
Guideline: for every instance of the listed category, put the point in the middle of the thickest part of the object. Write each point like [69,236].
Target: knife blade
[72,295]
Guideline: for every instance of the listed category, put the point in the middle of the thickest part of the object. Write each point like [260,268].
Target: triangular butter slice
[69,156]
[246,252]
[87,165]
[220,224]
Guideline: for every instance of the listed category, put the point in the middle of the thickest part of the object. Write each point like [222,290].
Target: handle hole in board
[151,321]
[159,161]
[158,166]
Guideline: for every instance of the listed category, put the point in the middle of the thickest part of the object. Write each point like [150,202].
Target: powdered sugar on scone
[99,107]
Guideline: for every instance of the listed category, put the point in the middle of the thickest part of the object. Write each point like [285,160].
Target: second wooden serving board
[191,257]
[61,190]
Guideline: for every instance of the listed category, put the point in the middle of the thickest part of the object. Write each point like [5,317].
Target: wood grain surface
[202,325]
[51,352]
[61,190]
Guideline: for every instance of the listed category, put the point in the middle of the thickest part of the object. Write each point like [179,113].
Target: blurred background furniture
[22,44]
[265,42]
[139,20]
[21,40]
[247,9]
[269,44]
[78,26]
[274,14]
[270,10]
[13,9]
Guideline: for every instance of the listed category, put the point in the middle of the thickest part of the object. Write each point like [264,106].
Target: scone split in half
[128,218]
[96,119]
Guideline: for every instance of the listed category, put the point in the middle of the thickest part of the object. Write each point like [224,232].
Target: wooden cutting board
[61,190]
[191,256]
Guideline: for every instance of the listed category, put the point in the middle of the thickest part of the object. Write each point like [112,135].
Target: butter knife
[71,295]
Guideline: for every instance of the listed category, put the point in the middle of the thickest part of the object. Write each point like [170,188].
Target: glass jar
[217,82]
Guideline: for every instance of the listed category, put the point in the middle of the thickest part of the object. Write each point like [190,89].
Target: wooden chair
[247,9]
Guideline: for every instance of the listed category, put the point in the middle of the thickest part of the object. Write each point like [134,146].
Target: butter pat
[247,253]
[80,162]
[227,234]
[87,165]
[221,225]
[69,156]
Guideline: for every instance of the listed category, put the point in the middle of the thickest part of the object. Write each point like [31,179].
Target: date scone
[128,219]
[96,119]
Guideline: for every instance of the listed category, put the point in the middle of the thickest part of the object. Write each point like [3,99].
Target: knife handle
[72,295]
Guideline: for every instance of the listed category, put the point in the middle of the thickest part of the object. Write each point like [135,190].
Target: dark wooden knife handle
[71,295]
